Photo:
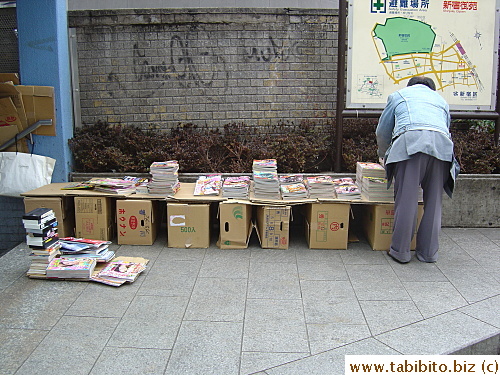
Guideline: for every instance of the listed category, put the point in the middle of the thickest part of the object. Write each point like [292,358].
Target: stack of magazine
[375,189]
[72,247]
[370,177]
[113,185]
[346,188]
[141,183]
[42,238]
[320,187]
[164,178]
[71,268]
[292,187]
[265,178]
[208,185]
[368,169]
[119,271]
[236,187]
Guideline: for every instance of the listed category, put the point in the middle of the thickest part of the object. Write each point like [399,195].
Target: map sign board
[453,42]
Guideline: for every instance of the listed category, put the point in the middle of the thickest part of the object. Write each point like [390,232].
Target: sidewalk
[230,312]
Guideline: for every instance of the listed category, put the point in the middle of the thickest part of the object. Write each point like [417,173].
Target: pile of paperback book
[292,187]
[236,187]
[164,178]
[265,179]
[320,187]
[42,239]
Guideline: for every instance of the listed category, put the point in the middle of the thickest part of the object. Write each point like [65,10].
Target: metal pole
[25,132]
[341,51]
[497,109]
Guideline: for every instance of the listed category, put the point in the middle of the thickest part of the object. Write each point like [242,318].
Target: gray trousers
[431,174]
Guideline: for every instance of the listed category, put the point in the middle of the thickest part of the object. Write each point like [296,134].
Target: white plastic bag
[20,172]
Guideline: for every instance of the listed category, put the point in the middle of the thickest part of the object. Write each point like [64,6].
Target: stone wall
[156,68]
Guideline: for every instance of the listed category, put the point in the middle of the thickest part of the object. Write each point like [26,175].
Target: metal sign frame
[373,88]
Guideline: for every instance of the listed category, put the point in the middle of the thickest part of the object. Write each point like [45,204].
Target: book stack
[113,185]
[371,179]
[292,187]
[236,187]
[71,268]
[265,178]
[367,169]
[118,272]
[375,189]
[141,183]
[320,187]
[346,188]
[208,185]
[42,238]
[164,178]
[72,247]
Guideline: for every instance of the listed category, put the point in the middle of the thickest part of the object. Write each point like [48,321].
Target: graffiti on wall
[273,52]
[189,66]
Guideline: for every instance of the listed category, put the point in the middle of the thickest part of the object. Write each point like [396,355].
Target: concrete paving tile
[252,362]
[486,310]
[376,282]
[150,322]
[71,347]
[488,259]
[417,271]
[383,316]
[272,256]
[169,254]
[434,298]
[363,256]
[37,304]
[16,345]
[14,265]
[274,326]
[225,266]
[455,256]
[215,299]
[273,280]
[333,311]
[331,302]
[492,233]
[318,255]
[441,334]
[170,278]
[102,300]
[332,361]
[326,270]
[327,336]
[473,282]
[131,361]
[337,291]
[206,348]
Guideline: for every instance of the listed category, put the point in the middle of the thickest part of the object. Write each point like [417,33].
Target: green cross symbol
[378,4]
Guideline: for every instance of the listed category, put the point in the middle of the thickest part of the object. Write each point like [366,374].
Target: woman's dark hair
[418,80]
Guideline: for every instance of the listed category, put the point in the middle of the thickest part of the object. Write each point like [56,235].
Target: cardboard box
[63,208]
[378,222]
[273,226]
[188,225]
[39,105]
[10,125]
[136,221]
[9,77]
[8,90]
[94,217]
[327,225]
[235,221]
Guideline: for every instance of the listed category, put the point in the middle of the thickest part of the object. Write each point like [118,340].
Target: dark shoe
[420,258]
[395,259]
